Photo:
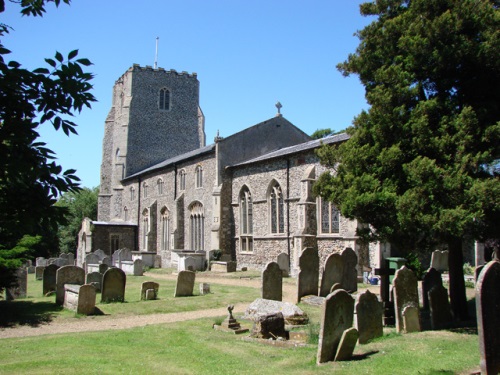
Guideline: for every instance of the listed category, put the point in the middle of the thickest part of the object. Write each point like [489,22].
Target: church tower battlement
[155,115]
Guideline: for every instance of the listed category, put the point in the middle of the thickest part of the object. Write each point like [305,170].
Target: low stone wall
[80,298]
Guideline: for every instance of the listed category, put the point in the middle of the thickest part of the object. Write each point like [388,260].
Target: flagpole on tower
[156,53]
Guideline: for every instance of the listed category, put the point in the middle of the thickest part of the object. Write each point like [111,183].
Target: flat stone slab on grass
[292,314]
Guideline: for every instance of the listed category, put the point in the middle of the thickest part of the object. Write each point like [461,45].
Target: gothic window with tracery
[165,229]
[246,220]
[330,217]
[159,184]
[145,229]
[276,208]
[199,176]
[197,226]
[182,180]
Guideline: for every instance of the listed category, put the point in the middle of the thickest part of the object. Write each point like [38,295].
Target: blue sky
[248,55]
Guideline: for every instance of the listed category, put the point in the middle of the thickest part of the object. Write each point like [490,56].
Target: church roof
[337,138]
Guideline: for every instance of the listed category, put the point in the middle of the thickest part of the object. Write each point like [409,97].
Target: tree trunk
[458,298]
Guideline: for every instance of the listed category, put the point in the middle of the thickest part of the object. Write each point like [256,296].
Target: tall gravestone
[21,285]
[49,278]
[67,275]
[308,277]
[284,263]
[439,305]
[336,316]
[439,260]
[113,285]
[138,267]
[488,317]
[405,294]
[350,274]
[431,278]
[369,317]
[332,273]
[272,282]
[185,284]
[39,272]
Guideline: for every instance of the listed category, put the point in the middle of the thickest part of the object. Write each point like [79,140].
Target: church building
[165,193]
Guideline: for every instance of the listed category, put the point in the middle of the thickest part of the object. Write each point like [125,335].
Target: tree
[321,133]
[79,205]
[416,165]
[30,179]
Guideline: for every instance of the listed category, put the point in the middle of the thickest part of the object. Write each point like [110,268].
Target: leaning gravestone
[431,278]
[332,273]
[308,277]
[349,275]
[405,291]
[49,278]
[284,263]
[347,344]
[185,284]
[19,289]
[369,317]
[336,317]
[488,317]
[439,260]
[272,282]
[113,285]
[95,279]
[149,285]
[67,275]
[440,307]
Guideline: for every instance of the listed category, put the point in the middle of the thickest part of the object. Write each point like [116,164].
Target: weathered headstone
[67,275]
[21,285]
[39,272]
[92,258]
[336,316]
[113,285]
[106,260]
[284,263]
[308,277]
[488,317]
[439,260]
[439,305]
[204,289]
[431,278]
[405,294]
[185,284]
[49,278]
[349,275]
[41,261]
[149,285]
[332,273]
[71,259]
[100,254]
[95,279]
[272,282]
[369,319]
[103,267]
[411,319]
[292,314]
[347,344]
[157,261]
[477,271]
[138,267]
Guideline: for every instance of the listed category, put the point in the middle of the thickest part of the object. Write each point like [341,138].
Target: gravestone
[284,263]
[336,316]
[369,319]
[157,261]
[149,285]
[41,261]
[440,307]
[347,344]
[100,254]
[411,319]
[92,258]
[113,285]
[39,272]
[292,314]
[106,261]
[138,267]
[189,264]
[270,326]
[308,276]
[405,294]
[49,278]
[21,285]
[431,278]
[349,275]
[204,289]
[95,279]
[71,259]
[335,287]
[185,284]
[332,273]
[439,260]
[477,271]
[272,282]
[488,317]
[103,267]
[67,275]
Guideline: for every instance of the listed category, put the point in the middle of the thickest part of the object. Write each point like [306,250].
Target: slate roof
[337,138]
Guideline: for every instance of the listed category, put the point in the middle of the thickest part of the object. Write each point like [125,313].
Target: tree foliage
[416,165]
[30,179]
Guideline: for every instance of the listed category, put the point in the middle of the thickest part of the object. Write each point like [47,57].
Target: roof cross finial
[278,105]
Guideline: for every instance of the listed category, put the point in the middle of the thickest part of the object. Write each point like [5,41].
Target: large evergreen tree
[417,164]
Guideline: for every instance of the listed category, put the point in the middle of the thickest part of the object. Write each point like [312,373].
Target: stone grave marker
[347,344]
[439,305]
[113,285]
[439,260]
[157,261]
[488,317]
[21,285]
[106,260]
[138,267]
[49,278]
[67,275]
[336,316]
[149,285]
[349,275]
[284,263]
[411,319]
[39,272]
[308,277]
[332,273]
[204,289]
[272,282]
[405,291]
[369,317]
[185,284]
[335,287]
[292,314]
[270,326]
[103,267]
[92,258]
[71,259]
[477,271]
[100,254]
[95,279]
[41,261]
[431,278]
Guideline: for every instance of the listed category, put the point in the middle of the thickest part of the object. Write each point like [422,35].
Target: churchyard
[193,347]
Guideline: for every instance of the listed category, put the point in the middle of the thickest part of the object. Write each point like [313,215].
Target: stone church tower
[155,115]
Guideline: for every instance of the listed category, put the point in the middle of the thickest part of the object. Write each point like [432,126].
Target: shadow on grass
[27,313]
[360,357]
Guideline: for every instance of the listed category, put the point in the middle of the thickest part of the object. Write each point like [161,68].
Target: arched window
[330,217]
[159,184]
[132,193]
[197,226]
[182,180]
[165,229]
[276,208]
[125,213]
[145,189]
[199,176]
[246,220]
[164,100]
[145,229]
